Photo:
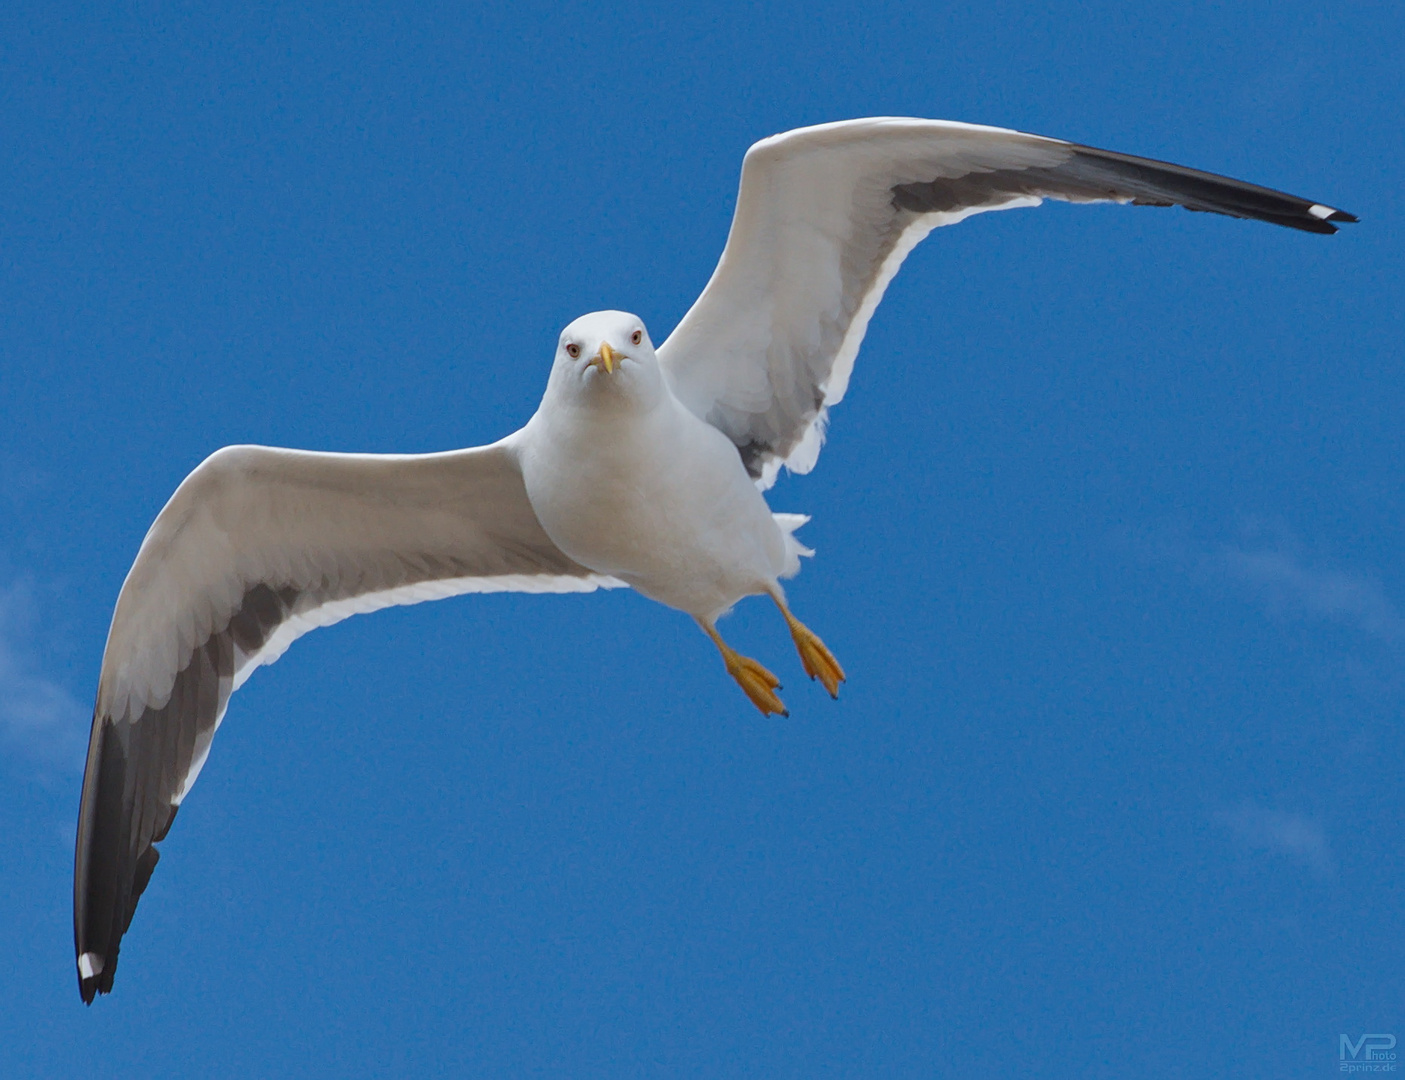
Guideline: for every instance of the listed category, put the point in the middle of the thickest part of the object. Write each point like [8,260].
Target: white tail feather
[794,549]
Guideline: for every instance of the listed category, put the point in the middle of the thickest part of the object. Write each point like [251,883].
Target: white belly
[659,500]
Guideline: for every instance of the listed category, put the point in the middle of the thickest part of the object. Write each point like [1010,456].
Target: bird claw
[757,683]
[818,661]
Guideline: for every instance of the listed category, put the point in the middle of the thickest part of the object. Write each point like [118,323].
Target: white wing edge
[807,453]
[335,611]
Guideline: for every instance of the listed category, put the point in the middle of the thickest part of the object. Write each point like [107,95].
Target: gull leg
[756,682]
[819,662]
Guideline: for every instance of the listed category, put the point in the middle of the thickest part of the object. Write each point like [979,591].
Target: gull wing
[824,218]
[258,546]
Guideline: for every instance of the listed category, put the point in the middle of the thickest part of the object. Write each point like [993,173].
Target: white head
[606,359]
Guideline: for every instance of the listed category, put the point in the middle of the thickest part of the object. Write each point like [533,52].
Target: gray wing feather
[825,217]
[1093,175]
[257,546]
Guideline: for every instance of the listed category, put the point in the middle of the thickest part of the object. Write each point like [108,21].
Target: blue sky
[1109,535]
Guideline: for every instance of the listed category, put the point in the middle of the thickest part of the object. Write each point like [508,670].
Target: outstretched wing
[824,218]
[256,547]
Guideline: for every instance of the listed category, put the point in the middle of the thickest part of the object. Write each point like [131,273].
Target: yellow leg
[756,682]
[819,662]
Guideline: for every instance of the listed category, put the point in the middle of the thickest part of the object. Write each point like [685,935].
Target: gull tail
[794,549]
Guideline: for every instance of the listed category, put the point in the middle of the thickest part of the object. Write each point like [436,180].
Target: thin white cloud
[38,717]
[1285,583]
[1294,835]
[1268,564]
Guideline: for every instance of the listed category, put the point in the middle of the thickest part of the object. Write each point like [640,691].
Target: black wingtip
[1098,174]
[95,975]
[1320,219]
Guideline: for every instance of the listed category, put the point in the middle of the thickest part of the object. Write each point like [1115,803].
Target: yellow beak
[606,358]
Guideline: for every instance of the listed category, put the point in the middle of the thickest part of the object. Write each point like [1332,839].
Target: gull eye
[573,351]
[636,337]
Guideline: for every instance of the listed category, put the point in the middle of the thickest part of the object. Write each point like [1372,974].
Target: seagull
[643,467]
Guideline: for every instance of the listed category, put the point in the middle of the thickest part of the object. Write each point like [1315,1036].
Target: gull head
[606,358]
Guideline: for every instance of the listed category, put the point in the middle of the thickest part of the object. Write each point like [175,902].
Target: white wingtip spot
[89,965]
[1320,212]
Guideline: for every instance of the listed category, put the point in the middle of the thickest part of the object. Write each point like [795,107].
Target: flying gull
[642,467]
